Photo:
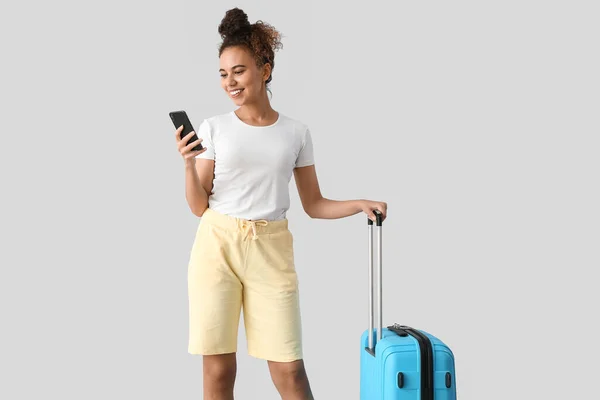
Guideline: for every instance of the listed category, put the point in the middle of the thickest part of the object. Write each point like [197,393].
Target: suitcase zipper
[426,350]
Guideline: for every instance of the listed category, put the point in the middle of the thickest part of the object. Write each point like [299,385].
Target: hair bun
[235,22]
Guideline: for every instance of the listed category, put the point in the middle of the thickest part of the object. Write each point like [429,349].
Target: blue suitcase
[399,362]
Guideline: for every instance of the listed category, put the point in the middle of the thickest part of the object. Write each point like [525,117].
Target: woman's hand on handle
[368,207]
[185,148]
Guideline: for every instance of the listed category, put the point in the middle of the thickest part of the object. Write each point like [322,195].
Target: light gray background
[476,121]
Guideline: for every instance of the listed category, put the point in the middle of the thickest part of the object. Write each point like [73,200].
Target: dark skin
[239,70]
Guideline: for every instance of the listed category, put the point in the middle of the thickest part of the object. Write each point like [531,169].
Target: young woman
[243,250]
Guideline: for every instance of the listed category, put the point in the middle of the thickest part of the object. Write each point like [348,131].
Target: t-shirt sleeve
[206,134]
[306,155]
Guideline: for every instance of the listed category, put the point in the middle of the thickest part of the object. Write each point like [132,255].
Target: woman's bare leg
[291,380]
[219,373]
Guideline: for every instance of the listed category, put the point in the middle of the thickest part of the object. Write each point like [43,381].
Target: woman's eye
[236,72]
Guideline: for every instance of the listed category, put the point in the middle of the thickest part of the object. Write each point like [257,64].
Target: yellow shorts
[234,263]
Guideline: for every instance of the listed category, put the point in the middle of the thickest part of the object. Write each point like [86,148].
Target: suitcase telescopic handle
[378,218]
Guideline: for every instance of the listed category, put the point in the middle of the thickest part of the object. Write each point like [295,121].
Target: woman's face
[239,72]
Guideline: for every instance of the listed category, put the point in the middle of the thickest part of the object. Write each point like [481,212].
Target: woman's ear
[266,71]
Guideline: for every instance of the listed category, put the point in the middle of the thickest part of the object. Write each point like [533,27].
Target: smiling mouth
[235,93]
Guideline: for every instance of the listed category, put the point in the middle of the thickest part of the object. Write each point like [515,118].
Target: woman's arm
[199,174]
[317,206]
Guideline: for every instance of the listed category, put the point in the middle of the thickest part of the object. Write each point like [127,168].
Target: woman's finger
[189,135]
[185,146]
[183,140]
[178,133]
[190,146]
[371,214]
[186,138]
[382,210]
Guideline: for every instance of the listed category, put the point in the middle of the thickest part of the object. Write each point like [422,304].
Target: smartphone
[180,118]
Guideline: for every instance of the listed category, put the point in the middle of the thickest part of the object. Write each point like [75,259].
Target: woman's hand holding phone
[185,148]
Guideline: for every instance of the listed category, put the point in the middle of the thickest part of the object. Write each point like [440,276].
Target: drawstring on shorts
[246,225]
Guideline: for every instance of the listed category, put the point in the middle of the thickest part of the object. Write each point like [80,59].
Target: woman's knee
[220,369]
[288,375]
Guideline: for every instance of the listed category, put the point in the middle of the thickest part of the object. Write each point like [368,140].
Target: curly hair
[260,38]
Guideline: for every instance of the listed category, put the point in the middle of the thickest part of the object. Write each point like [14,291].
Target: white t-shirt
[254,164]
